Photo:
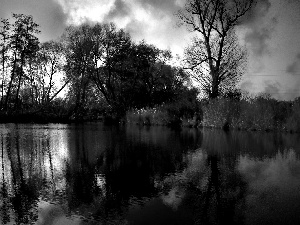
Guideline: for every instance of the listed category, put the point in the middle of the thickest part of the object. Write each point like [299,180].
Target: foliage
[104,70]
[259,113]
[19,45]
[184,110]
[147,116]
[104,61]
[30,70]
[292,123]
[216,113]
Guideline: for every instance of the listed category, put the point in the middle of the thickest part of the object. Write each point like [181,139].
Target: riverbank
[257,114]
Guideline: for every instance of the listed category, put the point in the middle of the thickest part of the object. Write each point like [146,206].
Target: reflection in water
[274,188]
[90,173]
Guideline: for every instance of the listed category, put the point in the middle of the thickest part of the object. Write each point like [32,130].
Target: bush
[147,116]
[256,114]
[259,113]
[216,113]
[184,110]
[293,121]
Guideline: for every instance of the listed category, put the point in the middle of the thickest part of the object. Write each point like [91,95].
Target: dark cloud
[294,67]
[260,9]
[151,20]
[166,8]
[259,28]
[121,9]
[47,13]
[257,40]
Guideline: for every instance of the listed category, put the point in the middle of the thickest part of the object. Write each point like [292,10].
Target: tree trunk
[214,93]
[10,84]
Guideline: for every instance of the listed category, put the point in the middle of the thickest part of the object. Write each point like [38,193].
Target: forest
[97,72]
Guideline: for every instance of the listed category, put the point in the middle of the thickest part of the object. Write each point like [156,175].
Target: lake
[91,173]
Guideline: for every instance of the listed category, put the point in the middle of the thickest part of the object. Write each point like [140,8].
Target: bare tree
[215,56]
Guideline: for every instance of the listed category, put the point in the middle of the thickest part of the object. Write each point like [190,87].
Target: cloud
[47,13]
[257,39]
[258,28]
[294,67]
[150,20]
[272,183]
[120,10]
[261,8]
[80,11]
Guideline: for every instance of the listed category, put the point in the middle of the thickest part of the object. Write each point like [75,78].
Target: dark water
[96,174]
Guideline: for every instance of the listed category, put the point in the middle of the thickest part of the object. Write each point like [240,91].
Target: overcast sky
[271,32]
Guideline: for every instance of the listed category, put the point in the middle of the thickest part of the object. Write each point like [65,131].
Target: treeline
[103,70]
[104,74]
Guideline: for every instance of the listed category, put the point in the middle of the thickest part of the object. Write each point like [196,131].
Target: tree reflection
[125,170]
[24,177]
[25,195]
[4,189]
[214,191]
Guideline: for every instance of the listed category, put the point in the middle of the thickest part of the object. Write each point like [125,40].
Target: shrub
[216,113]
[147,116]
[256,114]
[293,121]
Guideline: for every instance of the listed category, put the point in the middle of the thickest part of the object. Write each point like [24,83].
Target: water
[96,174]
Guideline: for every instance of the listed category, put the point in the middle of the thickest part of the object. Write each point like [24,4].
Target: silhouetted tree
[78,44]
[103,60]
[4,48]
[23,45]
[215,56]
[51,62]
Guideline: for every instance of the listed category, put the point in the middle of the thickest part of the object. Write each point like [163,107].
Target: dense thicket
[261,113]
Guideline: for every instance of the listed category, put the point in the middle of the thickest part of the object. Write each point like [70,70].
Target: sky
[271,32]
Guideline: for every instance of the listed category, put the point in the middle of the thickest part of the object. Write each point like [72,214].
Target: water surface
[95,174]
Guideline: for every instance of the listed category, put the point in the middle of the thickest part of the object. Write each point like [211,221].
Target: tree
[79,45]
[156,80]
[23,45]
[50,60]
[110,74]
[4,47]
[215,56]
[103,60]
